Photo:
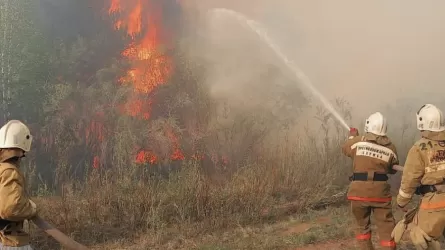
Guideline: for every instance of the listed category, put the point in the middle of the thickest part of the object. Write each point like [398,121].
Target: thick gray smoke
[379,55]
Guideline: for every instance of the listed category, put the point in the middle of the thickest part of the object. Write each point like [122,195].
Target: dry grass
[110,206]
[287,233]
[255,203]
[257,206]
[271,172]
[185,205]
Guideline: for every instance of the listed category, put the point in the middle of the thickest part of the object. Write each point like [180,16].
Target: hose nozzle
[353,132]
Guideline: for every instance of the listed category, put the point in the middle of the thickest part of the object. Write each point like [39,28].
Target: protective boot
[365,245]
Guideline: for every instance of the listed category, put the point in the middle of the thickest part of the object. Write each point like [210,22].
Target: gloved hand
[419,238]
[399,230]
[353,132]
[404,224]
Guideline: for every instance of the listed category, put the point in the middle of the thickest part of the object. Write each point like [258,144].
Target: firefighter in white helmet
[373,156]
[424,174]
[15,205]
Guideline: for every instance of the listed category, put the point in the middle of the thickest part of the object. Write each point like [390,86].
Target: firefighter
[15,205]
[373,156]
[424,174]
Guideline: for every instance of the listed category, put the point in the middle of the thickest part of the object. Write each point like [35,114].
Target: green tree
[24,61]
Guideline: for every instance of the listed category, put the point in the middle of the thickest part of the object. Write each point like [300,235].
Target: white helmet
[376,124]
[430,118]
[15,134]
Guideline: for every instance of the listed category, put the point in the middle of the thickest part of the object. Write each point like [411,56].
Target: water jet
[256,27]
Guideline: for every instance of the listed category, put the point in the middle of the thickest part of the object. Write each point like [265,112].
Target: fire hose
[398,168]
[62,238]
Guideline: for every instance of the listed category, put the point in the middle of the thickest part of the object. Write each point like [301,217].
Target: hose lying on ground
[58,235]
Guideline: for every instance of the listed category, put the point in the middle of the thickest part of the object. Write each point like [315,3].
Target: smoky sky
[375,54]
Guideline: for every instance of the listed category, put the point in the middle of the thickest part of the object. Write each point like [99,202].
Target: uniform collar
[381,140]
[434,136]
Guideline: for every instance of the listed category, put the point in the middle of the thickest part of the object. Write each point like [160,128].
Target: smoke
[378,55]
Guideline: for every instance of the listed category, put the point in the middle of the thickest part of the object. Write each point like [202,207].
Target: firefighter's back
[373,156]
[371,166]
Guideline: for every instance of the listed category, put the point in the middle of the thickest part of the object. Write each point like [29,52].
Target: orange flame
[135,20]
[137,108]
[177,153]
[114,7]
[146,157]
[150,68]
[96,162]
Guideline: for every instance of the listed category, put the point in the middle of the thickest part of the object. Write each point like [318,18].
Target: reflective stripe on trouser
[382,212]
[364,241]
[363,236]
[28,247]
[388,243]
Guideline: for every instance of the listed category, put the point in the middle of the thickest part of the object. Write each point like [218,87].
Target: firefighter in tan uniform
[15,205]
[424,173]
[373,157]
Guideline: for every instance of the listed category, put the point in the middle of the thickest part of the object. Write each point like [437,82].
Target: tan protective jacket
[15,205]
[371,154]
[425,165]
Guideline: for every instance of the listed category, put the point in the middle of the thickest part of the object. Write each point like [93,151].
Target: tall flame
[114,7]
[150,68]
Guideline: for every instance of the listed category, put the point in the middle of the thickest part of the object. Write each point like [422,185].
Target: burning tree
[164,81]
[130,94]
[150,64]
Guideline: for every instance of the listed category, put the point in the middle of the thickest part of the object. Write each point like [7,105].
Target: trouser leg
[362,215]
[385,222]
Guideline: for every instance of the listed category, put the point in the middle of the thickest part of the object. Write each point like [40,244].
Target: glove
[353,132]
[419,238]
[403,225]
[398,231]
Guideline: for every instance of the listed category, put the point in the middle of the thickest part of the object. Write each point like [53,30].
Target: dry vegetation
[280,189]
[277,193]
[275,178]
[119,205]
[293,197]
[272,172]
[285,203]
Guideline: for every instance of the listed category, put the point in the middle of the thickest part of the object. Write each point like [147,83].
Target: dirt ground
[328,229]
